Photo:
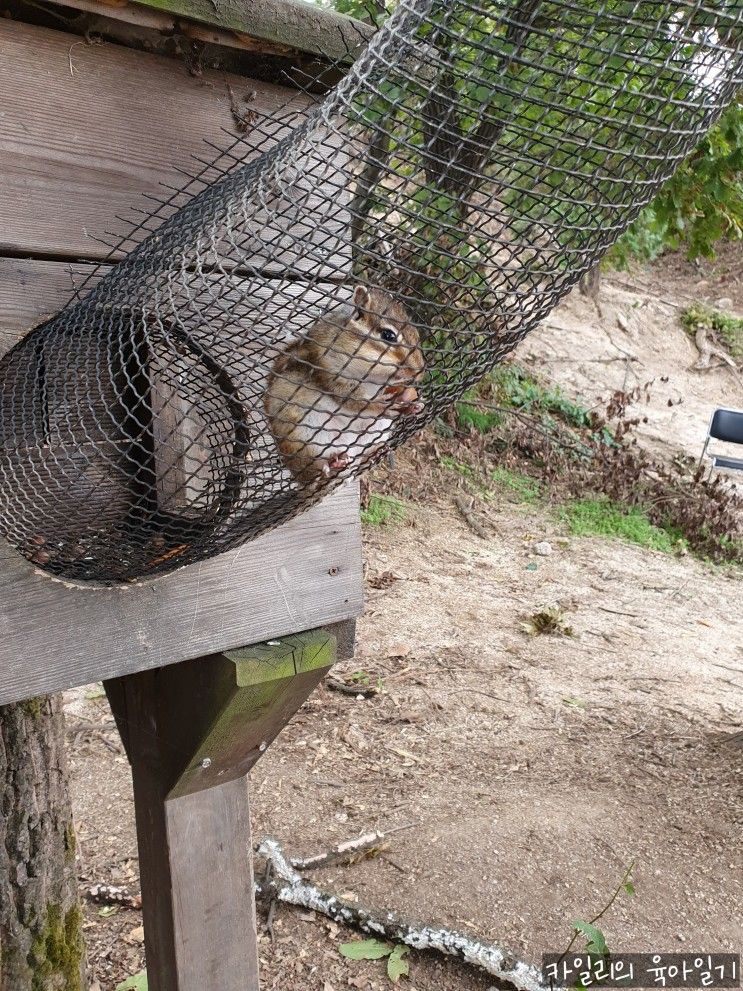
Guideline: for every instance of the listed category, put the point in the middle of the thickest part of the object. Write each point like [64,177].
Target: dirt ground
[532,770]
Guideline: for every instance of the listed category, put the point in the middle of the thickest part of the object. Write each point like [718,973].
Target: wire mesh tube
[279,328]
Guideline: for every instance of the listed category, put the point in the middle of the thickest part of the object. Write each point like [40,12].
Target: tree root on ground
[708,350]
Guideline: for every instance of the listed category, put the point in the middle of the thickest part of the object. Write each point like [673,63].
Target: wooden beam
[191,733]
[168,25]
[213,907]
[311,30]
[303,26]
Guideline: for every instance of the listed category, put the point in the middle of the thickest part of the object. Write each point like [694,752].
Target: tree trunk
[41,944]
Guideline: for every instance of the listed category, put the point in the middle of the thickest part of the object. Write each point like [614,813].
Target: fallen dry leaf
[398,649]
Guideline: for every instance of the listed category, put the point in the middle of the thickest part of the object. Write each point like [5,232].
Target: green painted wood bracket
[254,691]
[299,26]
[283,658]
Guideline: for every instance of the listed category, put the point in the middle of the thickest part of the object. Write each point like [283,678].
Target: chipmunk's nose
[411,364]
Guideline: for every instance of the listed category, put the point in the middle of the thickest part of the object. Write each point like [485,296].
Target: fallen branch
[283,883]
[110,894]
[83,730]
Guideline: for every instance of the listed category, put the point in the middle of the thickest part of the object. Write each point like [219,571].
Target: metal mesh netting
[282,322]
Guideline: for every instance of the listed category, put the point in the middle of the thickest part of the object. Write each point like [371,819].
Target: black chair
[726,425]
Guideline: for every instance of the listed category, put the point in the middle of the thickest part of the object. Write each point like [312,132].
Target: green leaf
[596,939]
[107,911]
[136,983]
[629,888]
[578,703]
[397,967]
[366,949]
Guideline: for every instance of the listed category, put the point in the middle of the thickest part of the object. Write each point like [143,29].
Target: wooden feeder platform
[202,667]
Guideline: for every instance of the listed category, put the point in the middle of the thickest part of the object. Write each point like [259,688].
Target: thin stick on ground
[350,851]
[288,886]
[354,690]
[529,421]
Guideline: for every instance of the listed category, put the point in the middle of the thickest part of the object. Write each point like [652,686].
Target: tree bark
[41,943]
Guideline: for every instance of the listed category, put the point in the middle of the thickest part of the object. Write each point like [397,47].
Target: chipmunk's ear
[361,297]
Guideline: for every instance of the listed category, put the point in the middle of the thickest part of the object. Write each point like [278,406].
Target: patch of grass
[734,547]
[470,416]
[467,471]
[364,680]
[383,510]
[603,518]
[525,488]
[513,386]
[725,326]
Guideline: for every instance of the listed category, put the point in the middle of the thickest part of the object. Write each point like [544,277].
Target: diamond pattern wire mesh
[285,319]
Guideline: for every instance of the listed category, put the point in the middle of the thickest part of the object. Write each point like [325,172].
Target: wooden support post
[191,732]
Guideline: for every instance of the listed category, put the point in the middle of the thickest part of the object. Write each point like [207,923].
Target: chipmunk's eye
[388,334]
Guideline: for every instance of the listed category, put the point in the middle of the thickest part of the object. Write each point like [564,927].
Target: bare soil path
[533,768]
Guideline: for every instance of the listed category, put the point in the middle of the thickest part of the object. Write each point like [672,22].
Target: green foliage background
[699,207]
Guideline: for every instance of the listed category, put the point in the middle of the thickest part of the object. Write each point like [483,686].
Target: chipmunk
[334,394]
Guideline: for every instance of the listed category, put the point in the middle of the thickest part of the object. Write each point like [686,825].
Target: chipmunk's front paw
[405,400]
[411,409]
[335,464]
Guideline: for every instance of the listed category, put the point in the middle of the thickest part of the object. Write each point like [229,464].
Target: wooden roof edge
[273,27]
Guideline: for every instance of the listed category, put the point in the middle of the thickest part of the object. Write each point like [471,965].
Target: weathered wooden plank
[303,575]
[121,122]
[211,868]
[31,291]
[160,23]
